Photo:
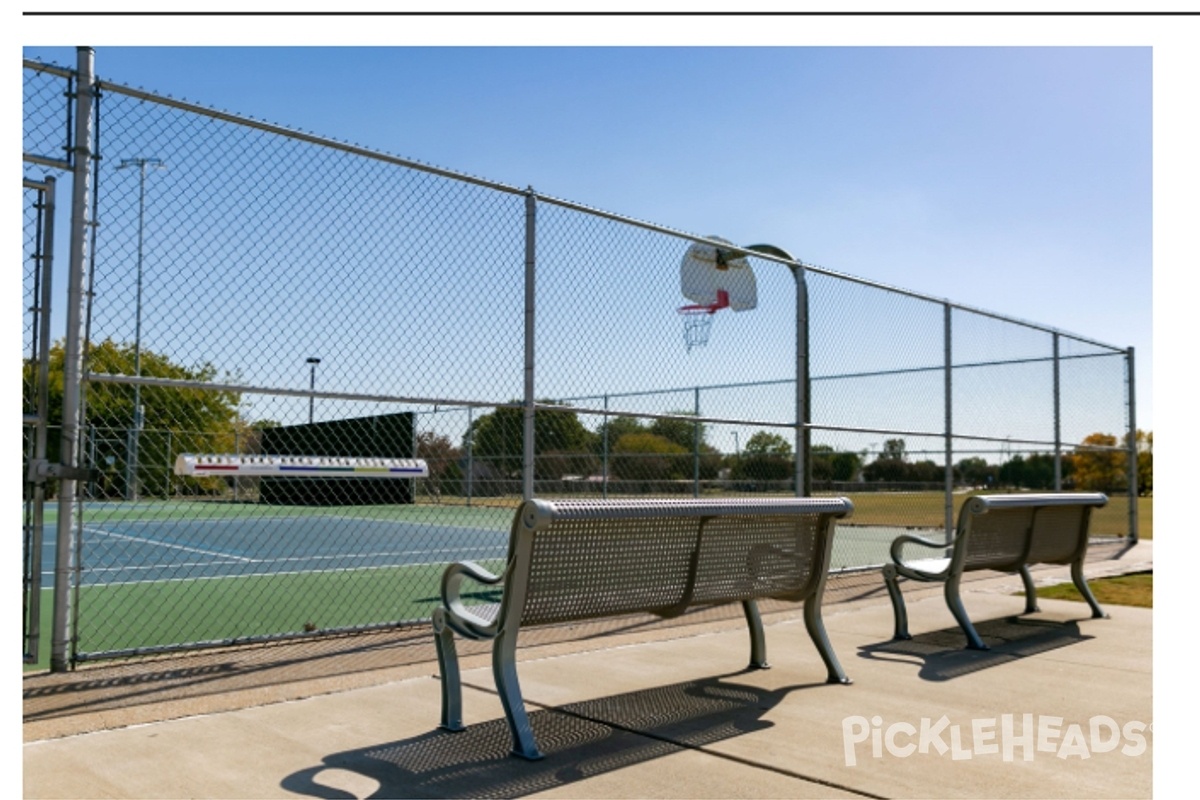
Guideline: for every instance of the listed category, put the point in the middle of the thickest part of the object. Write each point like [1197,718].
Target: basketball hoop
[697,320]
[713,278]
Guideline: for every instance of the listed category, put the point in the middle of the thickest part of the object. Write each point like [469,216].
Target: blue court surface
[122,548]
[127,550]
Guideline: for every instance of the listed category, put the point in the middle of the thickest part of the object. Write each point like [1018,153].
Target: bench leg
[504,669]
[758,640]
[1031,605]
[892,580]
[447,657]
[816,631]
[1085,590]
[954,601]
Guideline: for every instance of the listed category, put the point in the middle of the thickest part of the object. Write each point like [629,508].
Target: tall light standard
[131,467]
[312,384]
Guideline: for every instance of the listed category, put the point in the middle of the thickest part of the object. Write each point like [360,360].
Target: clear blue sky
[1013,179]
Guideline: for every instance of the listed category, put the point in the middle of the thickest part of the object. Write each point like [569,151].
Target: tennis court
[143,545]
[155,575]
[158,574]
[173,542]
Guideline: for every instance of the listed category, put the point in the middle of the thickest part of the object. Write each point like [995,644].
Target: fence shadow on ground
[943,655]
[579,740]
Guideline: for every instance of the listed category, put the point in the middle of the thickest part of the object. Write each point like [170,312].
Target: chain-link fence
[245,289]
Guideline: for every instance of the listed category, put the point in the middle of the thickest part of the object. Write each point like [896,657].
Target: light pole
[312,384]
[131,467]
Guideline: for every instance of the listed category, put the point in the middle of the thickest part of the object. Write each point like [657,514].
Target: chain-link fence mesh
[256,291]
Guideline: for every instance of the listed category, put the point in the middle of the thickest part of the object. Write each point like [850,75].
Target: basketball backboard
[714,278]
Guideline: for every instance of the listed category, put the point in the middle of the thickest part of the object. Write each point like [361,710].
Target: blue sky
[1012,179]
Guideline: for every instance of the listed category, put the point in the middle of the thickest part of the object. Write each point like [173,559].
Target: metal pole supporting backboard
[803,434]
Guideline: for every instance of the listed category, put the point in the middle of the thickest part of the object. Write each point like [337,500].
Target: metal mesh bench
[1008,533]
[576,560]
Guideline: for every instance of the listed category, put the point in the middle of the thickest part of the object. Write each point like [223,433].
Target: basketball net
[697,320]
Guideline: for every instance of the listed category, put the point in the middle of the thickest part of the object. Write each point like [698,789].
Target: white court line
[248,521]
[336,556]
[167,521]
[482,557]
[168,545]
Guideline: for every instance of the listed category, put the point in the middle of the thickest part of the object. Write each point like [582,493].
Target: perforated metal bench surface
[577,560]
[1005,532]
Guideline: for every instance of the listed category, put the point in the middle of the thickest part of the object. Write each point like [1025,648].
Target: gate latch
[41,470]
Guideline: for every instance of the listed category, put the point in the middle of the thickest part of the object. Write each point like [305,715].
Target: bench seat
[571,561]
[1004,532]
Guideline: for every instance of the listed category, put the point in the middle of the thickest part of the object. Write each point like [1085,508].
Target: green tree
[886,469]
[648,456]
[845,466]
[1100,470]
[441,457]
[616,428]
[831,465]
[174,420]
[766,457]
[680,431]
[772,444]
[1035,471]
[499,437]
[1145,462]
[976,471]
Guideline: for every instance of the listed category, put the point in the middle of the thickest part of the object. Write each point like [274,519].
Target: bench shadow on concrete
[579,740]
[943,654]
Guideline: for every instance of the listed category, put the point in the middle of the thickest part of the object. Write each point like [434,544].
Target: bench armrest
[910,572]
[458,616]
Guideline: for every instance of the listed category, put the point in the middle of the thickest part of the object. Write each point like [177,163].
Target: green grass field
[1120,590]
[927,510]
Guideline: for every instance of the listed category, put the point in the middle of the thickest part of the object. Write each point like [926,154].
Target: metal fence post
[803,474]
[1133,452]
[170,465]
[604,465]
[803,395]
[73,356]
[1057,419]
[696,444]
[470,453]
[237,448]
[530,318]
[949,407]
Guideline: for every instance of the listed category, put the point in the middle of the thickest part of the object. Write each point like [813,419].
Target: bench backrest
[1005,531]
[577,560]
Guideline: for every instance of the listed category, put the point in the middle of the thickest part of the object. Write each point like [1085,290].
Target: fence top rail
[51,69]
[798,266]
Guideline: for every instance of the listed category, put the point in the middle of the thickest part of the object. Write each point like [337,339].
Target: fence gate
[38,224]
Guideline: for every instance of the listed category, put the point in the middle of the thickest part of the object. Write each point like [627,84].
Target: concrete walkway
[1061,706]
